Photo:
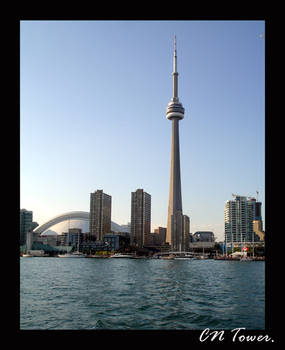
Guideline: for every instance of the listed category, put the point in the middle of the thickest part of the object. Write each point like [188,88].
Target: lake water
[146,294]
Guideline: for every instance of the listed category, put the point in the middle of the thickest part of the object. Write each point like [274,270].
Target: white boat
[27,256]
[72,255]
[183,258]
[122,255]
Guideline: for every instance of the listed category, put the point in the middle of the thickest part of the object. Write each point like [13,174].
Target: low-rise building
[48,239]
[202,239]
[116,241]
[203,236]
[161,231]
[202,245]
[73,237]
[152,240]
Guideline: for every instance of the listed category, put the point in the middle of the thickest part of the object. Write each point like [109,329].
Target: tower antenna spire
[175,56]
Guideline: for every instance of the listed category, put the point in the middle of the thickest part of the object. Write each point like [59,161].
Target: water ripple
[140,294]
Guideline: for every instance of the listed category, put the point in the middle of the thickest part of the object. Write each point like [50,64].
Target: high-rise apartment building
[140,218]
[26,219]
[239,217]
[100,214]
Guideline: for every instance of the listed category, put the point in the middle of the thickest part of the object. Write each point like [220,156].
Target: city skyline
[92,115]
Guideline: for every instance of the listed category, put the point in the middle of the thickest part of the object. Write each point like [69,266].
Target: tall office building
[26,219]
[140,218]
[240,215]
[175,221]
[100,214]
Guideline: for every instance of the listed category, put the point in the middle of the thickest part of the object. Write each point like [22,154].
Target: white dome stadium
[62,223]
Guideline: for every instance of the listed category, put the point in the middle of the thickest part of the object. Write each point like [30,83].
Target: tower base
[177,232]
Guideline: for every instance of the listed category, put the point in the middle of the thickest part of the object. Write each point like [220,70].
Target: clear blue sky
[93,96]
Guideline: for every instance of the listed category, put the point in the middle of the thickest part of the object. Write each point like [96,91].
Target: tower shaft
[175,198]
[175,227]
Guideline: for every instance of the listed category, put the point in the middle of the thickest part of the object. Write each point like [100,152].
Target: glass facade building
[239,216]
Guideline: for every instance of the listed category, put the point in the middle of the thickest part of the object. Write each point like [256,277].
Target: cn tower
[175,221]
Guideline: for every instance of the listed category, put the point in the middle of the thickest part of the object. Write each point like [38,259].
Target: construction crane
[254,197]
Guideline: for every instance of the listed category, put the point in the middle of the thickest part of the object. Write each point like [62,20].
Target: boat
[189,256]
[122,255]
[34,253]
[183,258]
[168,257]
[72,255]
[200,257]
[258,258]
[245,258]
[94,256]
